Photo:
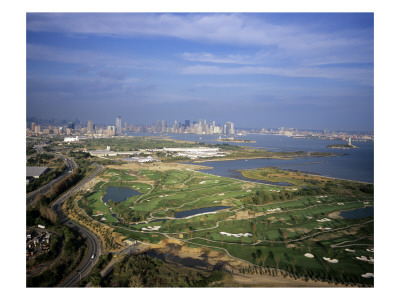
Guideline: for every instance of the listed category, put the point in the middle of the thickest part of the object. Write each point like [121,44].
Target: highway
[71,165]
[94,245]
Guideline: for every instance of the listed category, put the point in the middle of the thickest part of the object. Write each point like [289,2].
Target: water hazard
[358,213]
[198,211]
[119,194]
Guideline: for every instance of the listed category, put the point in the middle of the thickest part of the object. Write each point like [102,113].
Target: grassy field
[280,224]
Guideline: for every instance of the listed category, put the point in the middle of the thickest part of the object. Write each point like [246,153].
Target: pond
[119,194]
[198,211]
[358,213]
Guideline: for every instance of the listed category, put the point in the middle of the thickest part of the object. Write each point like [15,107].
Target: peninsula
[341,146]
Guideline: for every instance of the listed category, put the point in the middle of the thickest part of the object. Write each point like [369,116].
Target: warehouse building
[35,172]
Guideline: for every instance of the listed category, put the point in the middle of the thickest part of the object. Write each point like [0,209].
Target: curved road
[94,245]
[71,166]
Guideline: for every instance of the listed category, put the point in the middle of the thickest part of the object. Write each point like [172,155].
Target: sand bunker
[324,220]
[340,203]
[151,228]
[202,182]
[322,228]
[370,250]
[236,234]
[309,218]
[332,261]
[309,255]
[350,250]
[364,258]
[221,194]
[103,219]
[368,275]
[97,215]
[274,209]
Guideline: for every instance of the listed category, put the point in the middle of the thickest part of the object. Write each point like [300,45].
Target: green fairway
[264,225]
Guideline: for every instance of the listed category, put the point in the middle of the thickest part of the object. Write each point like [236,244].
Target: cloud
[211,58]
[363,75]
[233,29]
[92,59]
[64,55]
[113,75]
[225,85]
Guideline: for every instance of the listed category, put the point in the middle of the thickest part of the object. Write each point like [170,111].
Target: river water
[356,164]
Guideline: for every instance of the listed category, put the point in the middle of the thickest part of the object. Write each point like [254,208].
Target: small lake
[197,211]
[358,213]
[119,194]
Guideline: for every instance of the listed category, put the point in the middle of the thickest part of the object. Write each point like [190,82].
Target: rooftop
[35,171]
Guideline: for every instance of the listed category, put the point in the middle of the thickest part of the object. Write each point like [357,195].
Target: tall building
[164,126]
[90,126]
[230,128]
[118,125]
[111,130]
[187,124]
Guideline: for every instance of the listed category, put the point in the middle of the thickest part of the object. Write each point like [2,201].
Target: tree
[259,252]
[276,260]
[253,228]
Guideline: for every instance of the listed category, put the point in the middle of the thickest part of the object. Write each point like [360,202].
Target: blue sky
[268,70]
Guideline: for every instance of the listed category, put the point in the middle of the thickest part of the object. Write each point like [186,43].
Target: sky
[258,70]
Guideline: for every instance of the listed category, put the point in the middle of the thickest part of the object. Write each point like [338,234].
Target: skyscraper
[229,128]
[90,126]
[187,124]
[164,126]
[118,125]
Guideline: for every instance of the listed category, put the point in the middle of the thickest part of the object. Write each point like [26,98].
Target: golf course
[297,229]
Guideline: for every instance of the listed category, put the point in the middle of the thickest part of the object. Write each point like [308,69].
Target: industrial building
[35,172]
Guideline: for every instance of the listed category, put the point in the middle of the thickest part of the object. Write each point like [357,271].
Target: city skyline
[296,70]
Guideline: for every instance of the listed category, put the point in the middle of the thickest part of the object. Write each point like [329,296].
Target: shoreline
[323,176]
[263,157]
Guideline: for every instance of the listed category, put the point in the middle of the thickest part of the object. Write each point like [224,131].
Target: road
[71,166]
[94,245]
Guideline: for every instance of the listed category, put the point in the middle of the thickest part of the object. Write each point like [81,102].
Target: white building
[196,152]
[71,139]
